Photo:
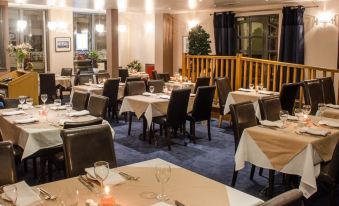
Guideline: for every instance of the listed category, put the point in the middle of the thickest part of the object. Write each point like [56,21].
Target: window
[257,36]
[32,32]
[2,43]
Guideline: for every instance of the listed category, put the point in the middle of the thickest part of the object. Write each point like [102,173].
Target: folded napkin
[329,123]
[164,96]
[112,179]
[100,85]
[293,118]
[334,106]
[245,90]
[161,204]
[79,113]
[148,94]
[26,196]
[314,131]
[16,112]
[268,123]
[59,107]
[26,120]
[266,92]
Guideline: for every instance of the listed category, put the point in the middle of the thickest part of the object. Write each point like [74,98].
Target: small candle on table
[107,199]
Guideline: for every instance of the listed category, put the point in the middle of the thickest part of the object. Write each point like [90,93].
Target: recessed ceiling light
[192,4]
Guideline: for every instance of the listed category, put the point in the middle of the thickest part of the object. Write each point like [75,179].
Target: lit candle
[107,199]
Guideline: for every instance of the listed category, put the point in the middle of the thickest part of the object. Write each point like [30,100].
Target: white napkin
[164,96]
[293,118]
[329,123]
[59,107]
[161,204]
[268,123]
[314,131]
[148,94]
[100,85]
[334,106]
[245,90]
[16,112]
[112,179]
[79,113]
[266,92]
[26,120]
[26,196]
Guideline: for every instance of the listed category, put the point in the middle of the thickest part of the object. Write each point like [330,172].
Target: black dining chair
[70,125]
[223,89]
[8,169]
[288,95]
[11,103]
[176,113]
[164,76]
[202,108]
[85,78]
[157,84]
[80,100]
[84,146]
[201,81]
[290,198]
[270,108]
[313,93]
[155,75]
[328,90]
[97,105]
[123,74]
[66,72]
[47,86]
[111,90]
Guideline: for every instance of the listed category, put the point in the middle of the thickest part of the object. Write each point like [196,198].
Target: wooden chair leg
[220,121]
[261,170]
[252,172]
[129,124]
[209,129]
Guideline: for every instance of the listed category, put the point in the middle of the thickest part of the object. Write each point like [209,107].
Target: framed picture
[62,44]
[185,44]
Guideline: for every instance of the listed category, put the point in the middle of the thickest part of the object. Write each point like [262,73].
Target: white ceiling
[158,5]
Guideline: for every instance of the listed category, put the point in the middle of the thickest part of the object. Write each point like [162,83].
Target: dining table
[142,75]
[243,95]
[42,128]
[331,111]
[97,89]
[184,187]
[180,85]
[292,149]
[64,81]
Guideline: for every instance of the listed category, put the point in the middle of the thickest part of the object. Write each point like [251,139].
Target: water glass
[43,98]
[298,113]
[151,89]
[90,81]
[29,102]
[57,103]
[283,114]
[22,100]
[69,107]
[321,109]
[162,174]
[306,110]
[101,171]
[70,198]
[251,86]
[11,192]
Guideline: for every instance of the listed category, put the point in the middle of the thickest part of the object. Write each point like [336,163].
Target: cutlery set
[47,195]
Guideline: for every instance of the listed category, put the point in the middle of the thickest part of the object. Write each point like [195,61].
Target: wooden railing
[243,71]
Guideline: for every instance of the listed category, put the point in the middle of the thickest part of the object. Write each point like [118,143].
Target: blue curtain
[224,33]
[292,35]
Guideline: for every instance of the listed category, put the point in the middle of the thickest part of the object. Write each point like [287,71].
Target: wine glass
[29,102]
[101,171]
[162,174]
[260,87]
[44,98]
[151,89]
[251,86]
[321,109]
[306,110]
[283,114]
[298,113]
[22,100]
[70,198]
[57,103]
[11,192]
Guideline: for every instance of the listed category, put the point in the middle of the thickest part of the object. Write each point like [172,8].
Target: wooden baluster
[227,68]
[251,73]
[194,71]
[309,73]
[188,68]
[256,73]
[302,78]
[288,75]
[216,69]
[198,66]
[281,76]
[222,68]
[324,73]
[262,73]
[274,77]
[245,75]
[232,74]
[268,77]
[294,74]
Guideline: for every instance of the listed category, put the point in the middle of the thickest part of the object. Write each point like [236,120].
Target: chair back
[7,163]
[101,76]
[111,89]
[288,95]
[177,107]
[290,198]
[123,74]
[96,121]
[157,84]
[83,146]
[47,86]
[133,79]
[155,75]
[243,116]
[328,90]
[11,103]
[223,89]
[79,100]
[313,94]
[135,88]
[66,72]
[84,78]
[97,105]
[201,81]
[270,108]
[202,106]
[330,170]
[164,76]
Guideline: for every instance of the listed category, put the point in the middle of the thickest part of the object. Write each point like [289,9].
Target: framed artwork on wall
[62,44]
[185,44]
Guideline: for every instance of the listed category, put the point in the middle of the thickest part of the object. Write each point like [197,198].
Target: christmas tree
[199,41]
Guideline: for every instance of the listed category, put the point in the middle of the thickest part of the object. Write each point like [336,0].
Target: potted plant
[134,65]
[21,52]
[199,41]
[94,56]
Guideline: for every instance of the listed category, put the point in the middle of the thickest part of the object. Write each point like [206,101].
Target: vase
[19,65]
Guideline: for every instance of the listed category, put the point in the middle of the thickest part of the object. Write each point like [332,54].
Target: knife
[85,184]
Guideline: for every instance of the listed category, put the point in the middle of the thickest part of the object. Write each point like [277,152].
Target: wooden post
[183,65]
[238,72]
[5,30]
[112,37]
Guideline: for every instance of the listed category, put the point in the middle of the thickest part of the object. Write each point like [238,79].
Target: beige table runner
[185,186]
[282,145]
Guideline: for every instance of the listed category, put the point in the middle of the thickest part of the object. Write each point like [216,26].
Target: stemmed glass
[251,86]
[44,98]
[11,192]
[101,171]
[69,107]
[151,89]
[260,87]
[22,100]
[29,102]
[306,110]
[298,113]
[283,114]
[321,109]
[162,174]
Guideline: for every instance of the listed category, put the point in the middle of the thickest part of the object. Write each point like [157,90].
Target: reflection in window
[2,46]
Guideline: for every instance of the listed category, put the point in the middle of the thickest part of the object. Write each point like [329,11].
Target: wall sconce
[122,28]
[21,25]
[191,24]
[325,18]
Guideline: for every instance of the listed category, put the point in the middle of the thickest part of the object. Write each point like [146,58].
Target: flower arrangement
[21,52]
[134,65]
[94,56]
